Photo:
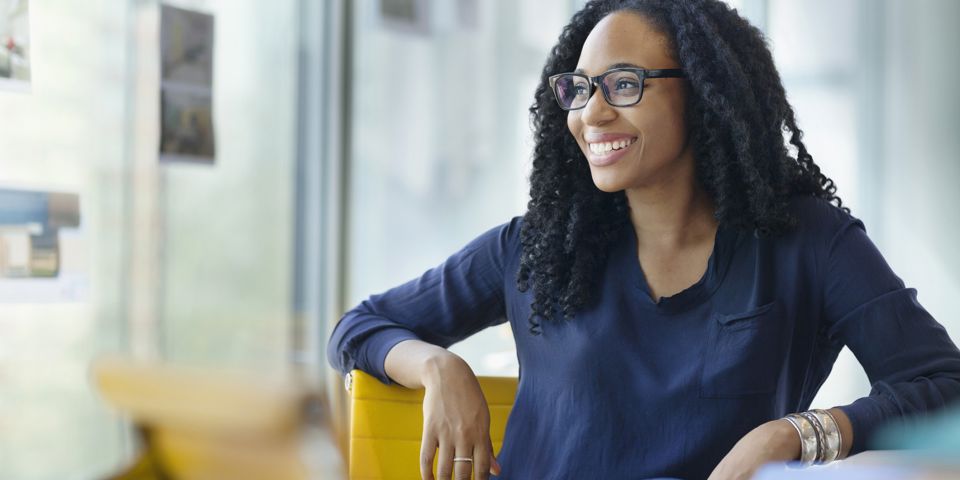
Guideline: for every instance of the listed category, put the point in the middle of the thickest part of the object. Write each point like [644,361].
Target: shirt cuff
[377,346]
[865,414]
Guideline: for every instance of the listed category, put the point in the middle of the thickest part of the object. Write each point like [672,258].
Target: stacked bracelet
[831,430]
[808,438]
[818,428]
[820,438]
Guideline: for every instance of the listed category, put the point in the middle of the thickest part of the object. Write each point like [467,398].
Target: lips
[607,149]
[601,148]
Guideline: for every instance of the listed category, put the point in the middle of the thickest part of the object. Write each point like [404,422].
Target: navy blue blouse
[637,388]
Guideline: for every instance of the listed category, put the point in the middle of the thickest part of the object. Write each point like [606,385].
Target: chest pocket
[745,353]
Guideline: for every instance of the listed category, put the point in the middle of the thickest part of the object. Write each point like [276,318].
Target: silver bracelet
[821,440]
[808,438]
[831,432]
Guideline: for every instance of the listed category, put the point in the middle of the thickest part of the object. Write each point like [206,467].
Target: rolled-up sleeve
[448,303]
[911,362]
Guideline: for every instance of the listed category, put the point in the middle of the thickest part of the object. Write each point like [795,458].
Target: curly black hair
[737,114]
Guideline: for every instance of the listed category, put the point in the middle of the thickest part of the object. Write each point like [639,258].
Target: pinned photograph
[187,125]
[15,45]
[42,247]
[186,86]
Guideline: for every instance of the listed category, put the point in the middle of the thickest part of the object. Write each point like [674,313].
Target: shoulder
[506,234]
[512,228]
[819,221]
[500,243]
[510,236]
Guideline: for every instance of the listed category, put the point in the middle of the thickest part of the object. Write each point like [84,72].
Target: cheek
[662,120]
[675,124]
[574,125]
[674,131]
[665,131]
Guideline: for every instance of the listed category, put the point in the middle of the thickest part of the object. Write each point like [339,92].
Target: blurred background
[328,187]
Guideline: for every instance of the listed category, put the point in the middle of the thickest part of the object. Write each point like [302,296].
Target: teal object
[934,437]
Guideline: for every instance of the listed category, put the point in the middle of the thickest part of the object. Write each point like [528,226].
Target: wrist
[439,365]
[819,434]
[787,441]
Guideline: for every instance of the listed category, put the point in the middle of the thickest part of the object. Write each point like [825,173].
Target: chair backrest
[386,424]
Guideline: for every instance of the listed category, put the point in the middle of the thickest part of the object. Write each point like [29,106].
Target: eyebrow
[611,67]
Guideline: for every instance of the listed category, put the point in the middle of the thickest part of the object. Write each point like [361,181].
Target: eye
[623,84]
[580,89]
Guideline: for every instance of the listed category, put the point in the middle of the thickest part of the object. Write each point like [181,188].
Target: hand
[457,420]
[775,441]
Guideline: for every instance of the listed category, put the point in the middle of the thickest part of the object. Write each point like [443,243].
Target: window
[440,139]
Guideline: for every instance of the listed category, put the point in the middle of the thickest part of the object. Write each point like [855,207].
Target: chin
[607,181]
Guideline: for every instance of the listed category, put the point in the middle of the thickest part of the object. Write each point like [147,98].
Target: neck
[672,213]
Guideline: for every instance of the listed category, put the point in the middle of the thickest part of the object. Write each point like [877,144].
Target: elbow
[946,380]
[337,351]
[333,355]
[360,339]
[950,388]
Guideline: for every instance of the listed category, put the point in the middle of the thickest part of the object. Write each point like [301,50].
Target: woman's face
[655,127]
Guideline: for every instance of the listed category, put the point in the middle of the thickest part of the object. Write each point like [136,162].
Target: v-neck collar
[724,244]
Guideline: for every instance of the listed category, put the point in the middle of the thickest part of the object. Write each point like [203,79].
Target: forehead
[624,37]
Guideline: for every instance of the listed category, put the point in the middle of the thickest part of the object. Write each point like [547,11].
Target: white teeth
[604,147]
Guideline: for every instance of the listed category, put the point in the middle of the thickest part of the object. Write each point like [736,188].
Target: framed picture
[186,86]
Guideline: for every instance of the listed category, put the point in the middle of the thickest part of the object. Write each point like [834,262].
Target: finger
[481,462]
[428,450]
[494,464]
[462,470]
[445,461]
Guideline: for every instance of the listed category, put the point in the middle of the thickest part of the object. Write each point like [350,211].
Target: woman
[679,287]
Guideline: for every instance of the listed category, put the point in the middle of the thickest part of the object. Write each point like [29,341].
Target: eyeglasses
[621,87]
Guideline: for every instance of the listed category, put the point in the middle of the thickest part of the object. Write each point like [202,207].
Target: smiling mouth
[603,148]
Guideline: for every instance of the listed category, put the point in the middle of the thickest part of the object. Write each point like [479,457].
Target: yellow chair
[386,424]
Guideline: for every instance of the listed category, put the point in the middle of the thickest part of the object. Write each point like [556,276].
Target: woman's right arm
[446,304]
[401,336]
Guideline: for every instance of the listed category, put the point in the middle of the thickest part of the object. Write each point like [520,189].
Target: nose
[597,111]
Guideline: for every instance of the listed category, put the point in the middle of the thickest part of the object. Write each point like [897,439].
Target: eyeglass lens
[621,88]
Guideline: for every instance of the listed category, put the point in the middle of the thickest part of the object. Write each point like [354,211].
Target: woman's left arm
[912,365]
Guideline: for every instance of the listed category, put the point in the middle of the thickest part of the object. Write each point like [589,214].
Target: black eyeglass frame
[641,73]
